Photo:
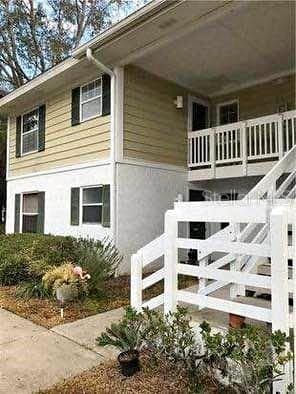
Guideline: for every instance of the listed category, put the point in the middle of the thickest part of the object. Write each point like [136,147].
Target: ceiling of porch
[251,42]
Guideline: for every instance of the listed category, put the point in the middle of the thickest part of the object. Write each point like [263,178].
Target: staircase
[253,254]
[279,185]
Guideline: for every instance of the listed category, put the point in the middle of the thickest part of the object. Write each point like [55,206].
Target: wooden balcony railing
[259,139]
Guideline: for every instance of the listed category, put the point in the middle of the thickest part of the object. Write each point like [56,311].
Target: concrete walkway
[33,358]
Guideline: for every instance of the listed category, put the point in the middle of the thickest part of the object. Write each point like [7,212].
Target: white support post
[202,282]
[170,262]
[280,136]
[136,281]
[236,289]
[279,281]
[213,152]
[244,150]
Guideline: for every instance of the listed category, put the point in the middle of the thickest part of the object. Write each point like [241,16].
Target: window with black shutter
[91,100]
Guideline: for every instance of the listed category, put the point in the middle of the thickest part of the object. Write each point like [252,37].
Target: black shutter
[18,136]
[41,211]
[17,213]
[75,201]
[75,106]
[106,206]
[41,141]
[106,102]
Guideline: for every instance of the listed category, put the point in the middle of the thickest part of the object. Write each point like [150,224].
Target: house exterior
[180,101]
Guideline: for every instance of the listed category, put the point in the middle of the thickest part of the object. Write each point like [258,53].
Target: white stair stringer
[266,188]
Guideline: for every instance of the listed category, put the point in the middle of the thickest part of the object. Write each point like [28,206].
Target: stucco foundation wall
[57,188]
[144,194]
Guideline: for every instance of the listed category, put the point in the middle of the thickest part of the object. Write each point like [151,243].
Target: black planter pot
[129,362]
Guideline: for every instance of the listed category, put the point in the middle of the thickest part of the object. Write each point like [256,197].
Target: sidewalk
[32,357]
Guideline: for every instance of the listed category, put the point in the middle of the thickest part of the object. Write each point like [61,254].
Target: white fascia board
[127,23]
[47,75]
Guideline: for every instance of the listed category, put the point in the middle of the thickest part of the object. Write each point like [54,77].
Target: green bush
[244,361]
[27,257]
[30,290]
[12,270]
[100,260]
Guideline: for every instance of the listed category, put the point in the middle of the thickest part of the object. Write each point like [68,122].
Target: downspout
[107,70]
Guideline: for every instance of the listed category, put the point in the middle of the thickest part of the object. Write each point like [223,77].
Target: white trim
[47,75]
[224,103]
[30,131]
[61,169]
[89,100]
[198,100]
[82,188]
[254,82]
[21,208]
[119,73]
[7,147]
[143,12]
[148,164]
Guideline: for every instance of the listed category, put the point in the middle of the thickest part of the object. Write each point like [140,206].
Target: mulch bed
[106,378]
[115,294]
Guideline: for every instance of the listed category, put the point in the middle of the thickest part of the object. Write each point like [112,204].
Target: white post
[136,281]
[213,152]
[279,280]
[280,136]
[244,150]
[170,262]
[236,289]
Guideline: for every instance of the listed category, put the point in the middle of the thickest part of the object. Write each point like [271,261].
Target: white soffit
[247,44]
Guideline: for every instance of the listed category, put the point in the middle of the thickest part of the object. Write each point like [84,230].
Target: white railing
[277,216]
[264,138]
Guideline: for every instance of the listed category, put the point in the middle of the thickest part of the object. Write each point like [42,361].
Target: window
[30,131]
[91,100]
[92,204]
[228,112]
[30,213]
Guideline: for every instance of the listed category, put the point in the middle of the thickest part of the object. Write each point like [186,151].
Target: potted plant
[127,337]
[66,282]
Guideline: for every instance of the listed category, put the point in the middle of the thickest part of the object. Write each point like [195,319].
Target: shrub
[30,290]
[27,257]
[99,259]
[12,270]
[126,335]
[240,361]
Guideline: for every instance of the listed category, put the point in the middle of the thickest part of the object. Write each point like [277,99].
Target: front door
[197,230]
[198,114]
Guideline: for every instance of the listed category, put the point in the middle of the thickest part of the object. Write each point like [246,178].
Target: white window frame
[22,208]
[229,102]
[82,188]
[89,100]
[28,132]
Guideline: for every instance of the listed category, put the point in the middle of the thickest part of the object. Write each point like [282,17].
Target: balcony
[244,148]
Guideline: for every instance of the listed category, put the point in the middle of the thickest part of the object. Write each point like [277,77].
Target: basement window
[30,213]
[30,131]
[92,205]
[91,100]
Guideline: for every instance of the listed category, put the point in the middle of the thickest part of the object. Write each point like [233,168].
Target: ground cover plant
[26,258]
[241,361]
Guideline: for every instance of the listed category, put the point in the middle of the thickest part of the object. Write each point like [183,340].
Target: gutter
[113,189]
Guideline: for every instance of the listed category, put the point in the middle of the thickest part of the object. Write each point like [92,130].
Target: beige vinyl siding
[64,145]
[262,99]
[154,129]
